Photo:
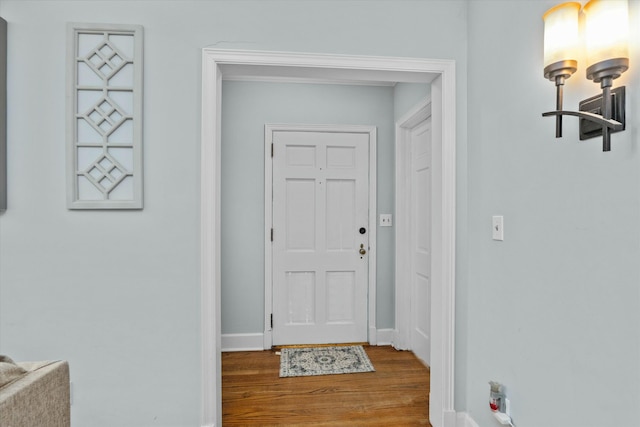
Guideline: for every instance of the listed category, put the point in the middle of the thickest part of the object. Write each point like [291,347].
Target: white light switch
[386,220]
[498,228]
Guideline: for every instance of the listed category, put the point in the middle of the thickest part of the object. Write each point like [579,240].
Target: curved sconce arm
[596,118]
[610,105]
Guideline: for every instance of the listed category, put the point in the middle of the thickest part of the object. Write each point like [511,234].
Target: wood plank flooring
[395,395]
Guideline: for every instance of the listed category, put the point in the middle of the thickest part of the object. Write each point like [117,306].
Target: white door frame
[402,333]
[268,219]
[294,66]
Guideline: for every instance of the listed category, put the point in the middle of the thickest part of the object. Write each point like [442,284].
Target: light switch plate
[386,220]
[498,228]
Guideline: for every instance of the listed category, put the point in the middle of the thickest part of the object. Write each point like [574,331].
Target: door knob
[362,249]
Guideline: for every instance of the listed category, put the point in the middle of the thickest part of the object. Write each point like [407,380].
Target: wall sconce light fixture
[605,38]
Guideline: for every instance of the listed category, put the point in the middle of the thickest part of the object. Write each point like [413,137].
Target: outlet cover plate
[386,220]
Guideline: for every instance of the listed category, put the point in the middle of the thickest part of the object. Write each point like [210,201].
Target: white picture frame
[104,116]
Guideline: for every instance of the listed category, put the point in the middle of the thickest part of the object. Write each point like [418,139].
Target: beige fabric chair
[34,394]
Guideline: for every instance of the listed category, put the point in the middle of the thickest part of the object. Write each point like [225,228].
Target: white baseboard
[465,420]
[256,342]
[242,342]
[373,335]
[399,342]
[384,336]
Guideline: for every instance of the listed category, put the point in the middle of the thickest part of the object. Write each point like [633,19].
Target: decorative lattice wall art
[104,133]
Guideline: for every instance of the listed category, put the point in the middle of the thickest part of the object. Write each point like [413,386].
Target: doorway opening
[218,64]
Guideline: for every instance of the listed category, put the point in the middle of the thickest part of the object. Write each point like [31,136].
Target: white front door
[421,179]
[320,227]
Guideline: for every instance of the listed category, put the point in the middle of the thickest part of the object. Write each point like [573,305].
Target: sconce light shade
[606,38]
[561,40]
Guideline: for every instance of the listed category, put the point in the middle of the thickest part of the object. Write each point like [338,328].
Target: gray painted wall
[246,108]
[117,293]
[407,95]
[554,310]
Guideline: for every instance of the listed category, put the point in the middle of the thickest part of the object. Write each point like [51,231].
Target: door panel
[320,201]
[300,206]
[301,289]
[421,175]
[341,289]
[341,215]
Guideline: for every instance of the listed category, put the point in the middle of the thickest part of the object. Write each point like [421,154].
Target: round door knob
[363,251]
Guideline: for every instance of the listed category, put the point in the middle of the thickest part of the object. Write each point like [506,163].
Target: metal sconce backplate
[594,105]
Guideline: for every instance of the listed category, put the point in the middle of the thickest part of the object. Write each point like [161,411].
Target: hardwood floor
[397,394]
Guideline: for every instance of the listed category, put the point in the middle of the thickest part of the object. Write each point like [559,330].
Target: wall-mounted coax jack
[499,404]
[496,397]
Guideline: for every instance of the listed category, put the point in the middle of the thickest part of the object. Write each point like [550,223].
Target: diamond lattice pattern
[105,116]
[106,60]
[106,173]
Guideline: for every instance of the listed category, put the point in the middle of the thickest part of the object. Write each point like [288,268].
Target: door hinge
[271,320]
[272,234]
[271,150]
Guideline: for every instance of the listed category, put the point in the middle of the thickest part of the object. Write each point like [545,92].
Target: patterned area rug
[301,362]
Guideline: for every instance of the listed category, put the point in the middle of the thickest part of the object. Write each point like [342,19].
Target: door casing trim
[441,74]
[268,219]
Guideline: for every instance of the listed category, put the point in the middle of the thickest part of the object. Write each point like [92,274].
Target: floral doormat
[302,362]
